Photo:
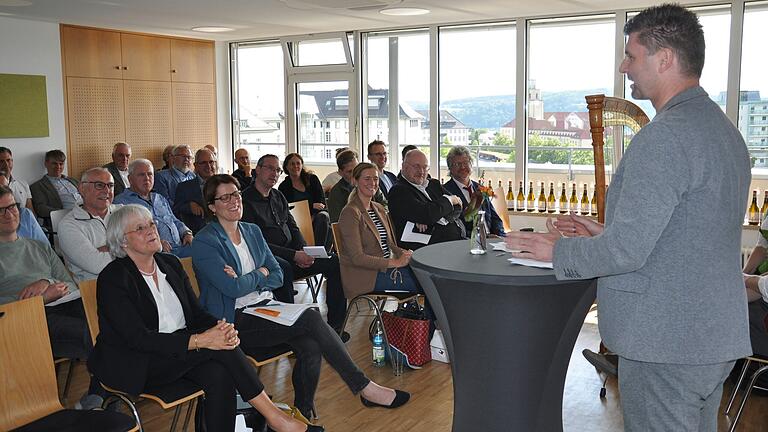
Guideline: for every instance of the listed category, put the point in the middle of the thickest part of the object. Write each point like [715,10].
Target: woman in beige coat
[370,259]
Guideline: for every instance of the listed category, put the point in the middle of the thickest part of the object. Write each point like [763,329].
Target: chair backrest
[56,217]
[88,294]
[500,204]
[303,217]
[190,269]
[336,237]
[28,389]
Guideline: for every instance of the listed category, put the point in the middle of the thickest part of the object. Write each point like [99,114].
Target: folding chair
[300,212]
[173,395]
[748,390]
[29,391]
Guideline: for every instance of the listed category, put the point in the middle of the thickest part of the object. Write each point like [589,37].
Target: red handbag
[411,336]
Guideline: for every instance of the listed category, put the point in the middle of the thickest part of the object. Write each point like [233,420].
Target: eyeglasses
[369,178]
[185,157]
[228,197]
[462,164]
[209,163]
[100,185]
[4,210]
[379,154]
[143,229]
[273,169]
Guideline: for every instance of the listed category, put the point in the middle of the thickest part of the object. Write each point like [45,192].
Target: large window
[477,97]
[753,97]
[323,126]
[259,109]
[568,59]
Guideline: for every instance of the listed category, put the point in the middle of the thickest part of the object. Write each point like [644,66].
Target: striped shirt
[383,240]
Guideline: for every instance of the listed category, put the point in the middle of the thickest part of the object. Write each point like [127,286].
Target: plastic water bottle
[378,345]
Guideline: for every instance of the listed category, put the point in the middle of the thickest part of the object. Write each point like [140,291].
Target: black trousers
[218,373]
[321,227]
[310,339]
[334,295]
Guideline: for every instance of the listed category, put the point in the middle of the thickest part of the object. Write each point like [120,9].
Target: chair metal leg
[129,403]
[738,385]
[748,391]
[176,413]
[68,381]
[191,404]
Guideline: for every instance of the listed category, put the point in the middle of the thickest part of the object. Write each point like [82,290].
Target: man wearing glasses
[377,154]
[175,237]
[424,202]
[189,203]
[83,231]
[267,207]
[181,171]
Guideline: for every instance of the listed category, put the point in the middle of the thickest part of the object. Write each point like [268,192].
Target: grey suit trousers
[660,397]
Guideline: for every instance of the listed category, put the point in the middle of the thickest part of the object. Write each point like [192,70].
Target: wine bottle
[593,203]
[481,182]
[510,195]
[573,204]
[563,200]
[531,201]
[500,186]
[551,202]
[754,210]
[764,208]
[584,209]
[520,198]
[542,200]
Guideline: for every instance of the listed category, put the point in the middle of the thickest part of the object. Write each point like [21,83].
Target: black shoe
[601,362]
[344,336]
[401,398]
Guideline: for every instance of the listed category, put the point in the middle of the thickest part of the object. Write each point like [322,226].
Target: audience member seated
[377,154]
[167,155]
[240,270]
[175,237]
[54,191]
[31,268]
[756,282]
[268,208]
[371,254]
[121,156]
[244,173]
[333,177]
[459,161]
[404,152]
[189,203]
[83,231]
[299,185]
[21,192]
[425,203]
[153,330]
[337,199]
[29,228]
[167,180]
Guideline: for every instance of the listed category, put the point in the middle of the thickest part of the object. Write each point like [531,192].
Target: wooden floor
[431,406]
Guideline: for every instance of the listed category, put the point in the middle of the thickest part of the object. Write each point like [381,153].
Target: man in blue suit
[377,154]
[189,202]
[459,161]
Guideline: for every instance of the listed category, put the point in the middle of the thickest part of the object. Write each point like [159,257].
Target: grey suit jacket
[670,288]
[117,178]
[45,198]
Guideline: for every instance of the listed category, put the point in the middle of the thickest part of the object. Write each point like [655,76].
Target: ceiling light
[15,3]
[212,29]
[404,11]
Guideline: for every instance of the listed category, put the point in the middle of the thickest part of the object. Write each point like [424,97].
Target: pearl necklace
[151,273]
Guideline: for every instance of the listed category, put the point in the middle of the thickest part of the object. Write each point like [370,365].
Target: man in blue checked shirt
[174,235]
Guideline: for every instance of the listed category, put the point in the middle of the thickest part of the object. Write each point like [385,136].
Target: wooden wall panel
[147,118]
[91,53]
[194,120]
[95,121]
[192,61]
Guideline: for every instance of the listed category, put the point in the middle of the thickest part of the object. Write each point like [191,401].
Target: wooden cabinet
[91,53]
[146,57]
[192,61]
[147,90]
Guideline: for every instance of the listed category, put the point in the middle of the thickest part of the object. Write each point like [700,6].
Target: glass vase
[479,234]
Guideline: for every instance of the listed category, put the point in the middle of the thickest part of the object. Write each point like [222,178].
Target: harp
[609,111]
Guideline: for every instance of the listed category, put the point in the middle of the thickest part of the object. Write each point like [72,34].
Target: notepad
[531,263]
[316,251]
[279,312]
[68,297]
[411,234]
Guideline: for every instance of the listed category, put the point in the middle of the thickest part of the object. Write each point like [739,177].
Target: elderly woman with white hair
[153,330]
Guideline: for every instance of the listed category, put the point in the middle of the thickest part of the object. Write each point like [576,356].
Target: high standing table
[509,331]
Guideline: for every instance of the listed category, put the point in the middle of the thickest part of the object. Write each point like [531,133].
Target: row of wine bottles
[755,213]
[549,203]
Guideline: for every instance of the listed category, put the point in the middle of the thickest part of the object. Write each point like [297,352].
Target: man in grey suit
[121,157]
[54,191]
[670,292]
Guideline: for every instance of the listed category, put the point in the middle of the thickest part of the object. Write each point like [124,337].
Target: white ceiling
[268,18]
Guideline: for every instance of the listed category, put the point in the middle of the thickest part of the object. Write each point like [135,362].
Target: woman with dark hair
[153,330]
[235,269]
[300,184]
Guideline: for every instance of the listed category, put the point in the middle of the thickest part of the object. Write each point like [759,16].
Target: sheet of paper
[531,263]
[316,251]
[410,234]
[72,295]
[502,247]
[279,312]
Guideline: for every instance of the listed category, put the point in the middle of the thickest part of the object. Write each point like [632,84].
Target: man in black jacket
[425,203]
[268,208]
